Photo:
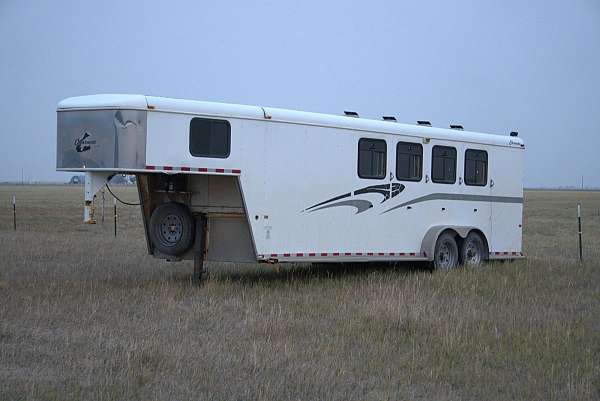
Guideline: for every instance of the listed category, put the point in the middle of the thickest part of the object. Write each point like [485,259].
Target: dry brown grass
[86,316]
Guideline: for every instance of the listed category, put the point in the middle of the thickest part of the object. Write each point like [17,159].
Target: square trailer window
[372,154]
[210,138]
[443,165]
[409,161]
[476,167]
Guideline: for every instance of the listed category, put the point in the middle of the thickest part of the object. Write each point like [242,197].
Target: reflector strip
[344,255]
[195,169]
[506,253]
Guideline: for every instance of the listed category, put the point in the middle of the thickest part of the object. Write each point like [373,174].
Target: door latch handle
[491,183]
[426,178]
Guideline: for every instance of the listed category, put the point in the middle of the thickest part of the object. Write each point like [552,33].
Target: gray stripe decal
[359,204]
[328,200]
[462,197]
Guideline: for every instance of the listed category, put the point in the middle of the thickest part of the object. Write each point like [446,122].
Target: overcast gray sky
[493,66]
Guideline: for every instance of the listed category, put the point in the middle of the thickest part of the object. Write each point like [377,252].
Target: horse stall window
[409,161]
[476,166]
[210,138]
[443,165]
[372,154]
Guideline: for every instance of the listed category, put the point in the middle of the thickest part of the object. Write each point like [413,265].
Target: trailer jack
[94,181]
[199,250]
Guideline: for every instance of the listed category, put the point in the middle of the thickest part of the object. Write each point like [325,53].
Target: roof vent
[453,126]
[422,122]
[351,114]
[514,133]
[389,118]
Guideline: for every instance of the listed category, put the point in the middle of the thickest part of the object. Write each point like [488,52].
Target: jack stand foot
[200,273]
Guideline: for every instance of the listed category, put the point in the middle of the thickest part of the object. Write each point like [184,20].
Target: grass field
[84,315]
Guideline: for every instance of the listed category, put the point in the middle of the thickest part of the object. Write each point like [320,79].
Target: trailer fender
[431,236]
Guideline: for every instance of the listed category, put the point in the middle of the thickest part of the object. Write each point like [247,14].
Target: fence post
[102,206]
[579,223]
[14,212]
[115,214]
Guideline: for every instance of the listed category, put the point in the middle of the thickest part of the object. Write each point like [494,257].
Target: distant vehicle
[117,179]
[247,183]
[123,179]
[77,180]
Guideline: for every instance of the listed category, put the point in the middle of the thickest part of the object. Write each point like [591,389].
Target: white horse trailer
[222,182]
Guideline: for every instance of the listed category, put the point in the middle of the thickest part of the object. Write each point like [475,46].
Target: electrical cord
[117,198]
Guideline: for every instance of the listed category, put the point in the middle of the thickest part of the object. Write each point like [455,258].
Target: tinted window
[476,166]
[210,138]
[372,158]
[409,161]
[443,165]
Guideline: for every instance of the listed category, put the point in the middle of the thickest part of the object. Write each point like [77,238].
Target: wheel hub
[444,256]
[170,230]
[472,254]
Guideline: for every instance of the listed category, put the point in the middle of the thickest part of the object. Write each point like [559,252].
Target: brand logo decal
[511,142]
[82,144]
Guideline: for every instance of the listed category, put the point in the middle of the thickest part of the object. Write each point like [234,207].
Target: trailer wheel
[446,252]
[172,228]
[472,251]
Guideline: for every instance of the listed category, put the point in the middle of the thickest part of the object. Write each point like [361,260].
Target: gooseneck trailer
[223,182]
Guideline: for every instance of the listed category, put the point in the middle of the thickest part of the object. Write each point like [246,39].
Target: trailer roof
[141,102]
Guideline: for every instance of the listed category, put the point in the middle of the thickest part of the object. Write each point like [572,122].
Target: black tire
[446,255]
[473,250]
[172,228]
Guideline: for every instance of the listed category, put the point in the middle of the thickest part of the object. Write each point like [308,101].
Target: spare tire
[172,228]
